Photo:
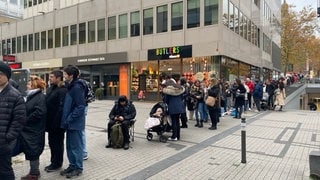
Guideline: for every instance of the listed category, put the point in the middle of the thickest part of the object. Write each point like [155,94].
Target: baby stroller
[157,122]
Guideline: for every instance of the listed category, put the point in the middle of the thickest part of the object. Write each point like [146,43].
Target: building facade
[123,46]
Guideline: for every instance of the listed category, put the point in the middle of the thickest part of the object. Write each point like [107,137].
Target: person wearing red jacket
[250,84]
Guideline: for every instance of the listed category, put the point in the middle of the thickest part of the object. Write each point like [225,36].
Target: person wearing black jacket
[239,92]
[214,112]
[32,137]
[270,88]
[54,100]
[12,119]
[123,111]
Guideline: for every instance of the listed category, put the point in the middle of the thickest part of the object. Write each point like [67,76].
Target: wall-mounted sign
[9,58]
[15,65]
[170,52]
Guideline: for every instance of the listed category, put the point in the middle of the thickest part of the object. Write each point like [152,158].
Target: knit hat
[5,69]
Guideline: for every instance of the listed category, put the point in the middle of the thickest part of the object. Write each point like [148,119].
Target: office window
[245,27]
[57,37]
[135,24]
[225,13]
[73,34]
[236,20]
[231,16]
[13,2]
[176,16]
[24,43]
[19,44]
[65,36]
[148,21]
[4,47]
[50,39]
[8,46]
[36,41]
[162,19]
[241,22]
[13,45]
[30,42]
[123,26]
[249,30]
[30,4]
[82,33]
[193,13]
[91,31]
[101,29]
[112,27]
[39,1]
[25,3]
[211,12]
[0,49]
[35,2]
[43,40]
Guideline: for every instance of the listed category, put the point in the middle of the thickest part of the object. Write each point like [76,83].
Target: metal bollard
[243,140]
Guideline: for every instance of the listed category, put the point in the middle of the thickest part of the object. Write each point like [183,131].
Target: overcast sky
[302,3]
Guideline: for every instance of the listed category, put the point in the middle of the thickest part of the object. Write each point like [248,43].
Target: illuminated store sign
[170,52]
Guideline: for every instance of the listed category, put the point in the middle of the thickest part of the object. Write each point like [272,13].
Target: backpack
[89,94]
[116,136]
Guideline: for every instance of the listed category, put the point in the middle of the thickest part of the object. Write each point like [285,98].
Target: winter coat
[32,137]
[128,111]
[12,115]
[73,116]
[280,97]
[214,91]
[258,91]
[240,89]
[54,100]
[175,104]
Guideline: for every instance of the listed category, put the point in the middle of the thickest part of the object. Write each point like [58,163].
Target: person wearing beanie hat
[12,120]
[5,69]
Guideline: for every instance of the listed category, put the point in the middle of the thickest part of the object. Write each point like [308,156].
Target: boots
[201,124]
[197,125]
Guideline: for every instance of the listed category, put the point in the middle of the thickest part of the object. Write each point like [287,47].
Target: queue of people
[61,112]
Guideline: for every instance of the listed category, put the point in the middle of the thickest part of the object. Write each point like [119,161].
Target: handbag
[210,101]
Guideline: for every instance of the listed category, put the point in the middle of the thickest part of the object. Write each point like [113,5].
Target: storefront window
[229,69]
[244,70]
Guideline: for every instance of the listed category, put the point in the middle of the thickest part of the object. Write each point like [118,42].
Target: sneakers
[66,171]
[52,168]
[126,146]
[85,157]
[75,172]
[172,139]
[30,177]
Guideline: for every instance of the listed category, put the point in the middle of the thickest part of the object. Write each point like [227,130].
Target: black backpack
[89,94]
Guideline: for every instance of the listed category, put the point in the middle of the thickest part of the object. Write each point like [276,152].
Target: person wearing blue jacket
[73,121]
[173,96]
[258,94]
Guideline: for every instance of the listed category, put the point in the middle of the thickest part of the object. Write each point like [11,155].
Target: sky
[302,3]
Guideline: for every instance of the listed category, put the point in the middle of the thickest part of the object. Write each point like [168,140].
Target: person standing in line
[240,91]
[183,117]
[12,118]
[280,94]
[55,99]
[258,94]
[250,84]
[32,138]
[214,112]
[73,121]
[176,107]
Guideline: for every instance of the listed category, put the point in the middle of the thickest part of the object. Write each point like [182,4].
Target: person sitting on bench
[124,112]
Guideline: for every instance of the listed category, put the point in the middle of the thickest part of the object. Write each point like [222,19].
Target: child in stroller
[157,122]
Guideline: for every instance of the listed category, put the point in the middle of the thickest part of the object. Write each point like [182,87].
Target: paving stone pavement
[277,147]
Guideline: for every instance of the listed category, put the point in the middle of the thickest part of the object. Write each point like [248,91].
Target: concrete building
[123,46]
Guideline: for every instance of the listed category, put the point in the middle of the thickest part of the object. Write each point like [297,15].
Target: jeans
[199,111]
[175,125]
[6,171]
[75,146]
[84,139]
